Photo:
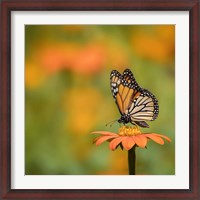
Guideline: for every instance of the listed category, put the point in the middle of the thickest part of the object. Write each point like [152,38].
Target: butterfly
[136,105]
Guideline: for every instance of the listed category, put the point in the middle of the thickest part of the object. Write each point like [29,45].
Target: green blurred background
[67,96]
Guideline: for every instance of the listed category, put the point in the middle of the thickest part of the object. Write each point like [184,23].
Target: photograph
[79,78]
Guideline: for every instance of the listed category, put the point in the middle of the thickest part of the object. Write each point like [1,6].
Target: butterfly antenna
[111,123]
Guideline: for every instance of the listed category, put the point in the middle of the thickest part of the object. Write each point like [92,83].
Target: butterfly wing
[124,88]
[128,78]
[115,82]
[131,89]
[140,104]
[143,107]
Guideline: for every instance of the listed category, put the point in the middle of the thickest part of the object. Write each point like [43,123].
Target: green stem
[131,161]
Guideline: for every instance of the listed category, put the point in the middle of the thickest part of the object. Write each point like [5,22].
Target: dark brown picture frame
[7,6]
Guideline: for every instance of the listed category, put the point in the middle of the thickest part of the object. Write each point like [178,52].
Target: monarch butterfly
[135,104]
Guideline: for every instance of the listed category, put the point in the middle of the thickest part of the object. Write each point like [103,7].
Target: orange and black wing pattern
[132,100]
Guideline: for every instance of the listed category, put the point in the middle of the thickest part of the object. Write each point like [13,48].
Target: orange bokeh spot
[158,46]
[89,60]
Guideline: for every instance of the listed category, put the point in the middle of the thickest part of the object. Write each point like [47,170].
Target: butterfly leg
[134,124]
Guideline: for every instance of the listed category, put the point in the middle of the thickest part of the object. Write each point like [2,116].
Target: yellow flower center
[129,131]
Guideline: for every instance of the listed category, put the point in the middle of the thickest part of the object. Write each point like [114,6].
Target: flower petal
[159,135]
[113,144]
[102,139]
[163,136]
[104,133]
[128,142]
[144,140]
[95,139]
[155,138]
[140,140]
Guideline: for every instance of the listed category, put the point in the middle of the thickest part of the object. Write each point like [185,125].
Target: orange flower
[128,137]
[89,60]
